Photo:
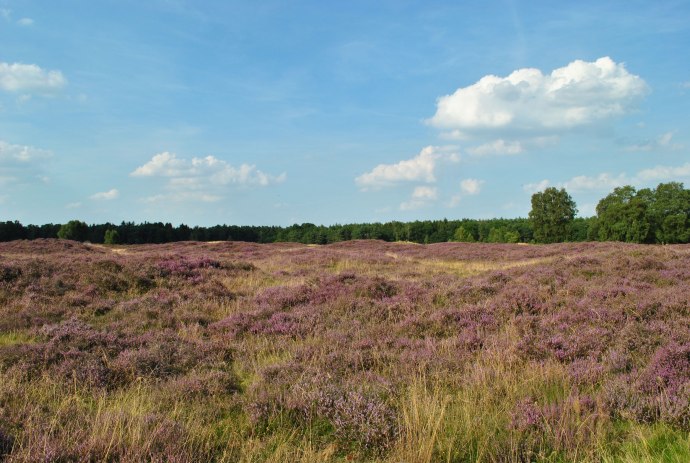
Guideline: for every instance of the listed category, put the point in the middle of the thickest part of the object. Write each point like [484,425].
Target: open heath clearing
[357,351]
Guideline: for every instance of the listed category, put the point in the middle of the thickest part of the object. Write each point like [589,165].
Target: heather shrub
[359,351]
[565,427]
[360,415]
[166,355]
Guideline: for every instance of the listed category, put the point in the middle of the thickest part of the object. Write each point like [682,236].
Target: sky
[280,112]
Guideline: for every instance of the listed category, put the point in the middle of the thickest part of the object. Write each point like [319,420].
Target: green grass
[14,337]
[647,444]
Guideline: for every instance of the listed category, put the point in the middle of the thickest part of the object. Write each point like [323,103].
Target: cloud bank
[607,182]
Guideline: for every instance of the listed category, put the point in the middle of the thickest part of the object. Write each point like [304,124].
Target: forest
[660,215]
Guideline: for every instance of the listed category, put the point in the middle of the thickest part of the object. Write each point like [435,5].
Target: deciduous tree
[552,214]
[74,230]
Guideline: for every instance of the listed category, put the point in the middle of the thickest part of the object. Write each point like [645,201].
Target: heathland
[354,351]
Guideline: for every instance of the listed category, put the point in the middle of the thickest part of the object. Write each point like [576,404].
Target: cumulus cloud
[421,196]
[191,173]
[18,77]
[528,101]
[598,182]
[665,172]
[421,168]
[200,179]
[106,195]
[536,187]
[468,187]
[471,186]
[163,164]
[425,193]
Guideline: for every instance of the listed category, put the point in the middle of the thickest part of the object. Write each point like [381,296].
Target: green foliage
[74,230]
[645,216]
[111,236]
[669,213]
[503,235]
[552,214]
[622,216]
[660,215]
[462,235]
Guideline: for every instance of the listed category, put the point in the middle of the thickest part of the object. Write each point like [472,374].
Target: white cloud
[536,187]
[18,77]
[421,168]
[412,205]
[76,205]
[497,147]
[106,195]
[468,187]
[425,193]
[182,196]
[210,169]
[471,186]
[21,153]
[664,141]
[528,101]
[665,172]
[22,164]
[607,182]
[162,164]
[26,22]
[200,179]
[421,196]
[599,182]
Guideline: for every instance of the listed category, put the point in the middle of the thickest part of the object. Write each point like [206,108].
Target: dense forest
[660,215]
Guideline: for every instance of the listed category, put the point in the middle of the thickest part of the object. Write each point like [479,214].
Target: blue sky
[207,112]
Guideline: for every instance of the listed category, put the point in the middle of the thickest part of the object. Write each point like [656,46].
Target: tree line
[660,215]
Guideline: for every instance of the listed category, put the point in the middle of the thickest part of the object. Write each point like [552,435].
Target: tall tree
[552,214]
[623,215]
[670,213]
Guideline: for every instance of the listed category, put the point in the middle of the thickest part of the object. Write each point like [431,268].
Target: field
[351,352]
